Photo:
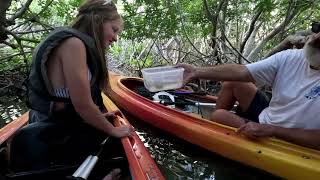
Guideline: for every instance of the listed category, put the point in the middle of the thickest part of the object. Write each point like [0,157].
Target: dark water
[177,159]
[11,108]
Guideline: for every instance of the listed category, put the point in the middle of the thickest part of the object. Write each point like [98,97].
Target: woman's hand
[112,115]
[123,131]
[189,72]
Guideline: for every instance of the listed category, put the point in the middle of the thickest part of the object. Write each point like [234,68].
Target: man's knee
[240,90]
[219,115]
[228,118]
[228,85]
[237,85]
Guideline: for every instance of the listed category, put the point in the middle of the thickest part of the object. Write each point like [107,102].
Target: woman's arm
[73,59]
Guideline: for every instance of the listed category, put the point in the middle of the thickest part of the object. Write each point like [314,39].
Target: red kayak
[141,164]
[278,157]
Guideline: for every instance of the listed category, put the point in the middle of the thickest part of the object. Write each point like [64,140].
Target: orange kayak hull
[141,164]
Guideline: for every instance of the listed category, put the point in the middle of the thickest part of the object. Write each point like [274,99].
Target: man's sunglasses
[315,27]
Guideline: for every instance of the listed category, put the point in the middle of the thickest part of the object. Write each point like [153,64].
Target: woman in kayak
[67,76]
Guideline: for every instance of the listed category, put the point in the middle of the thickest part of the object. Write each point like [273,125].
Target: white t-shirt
[295,101]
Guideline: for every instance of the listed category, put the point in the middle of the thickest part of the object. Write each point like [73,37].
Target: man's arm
[227,72]
[304,137]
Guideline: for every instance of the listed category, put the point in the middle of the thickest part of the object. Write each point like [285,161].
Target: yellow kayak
[278,157]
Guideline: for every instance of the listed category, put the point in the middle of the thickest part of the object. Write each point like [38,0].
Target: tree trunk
[253,55]
[249,32]
[251,41]
[4,5]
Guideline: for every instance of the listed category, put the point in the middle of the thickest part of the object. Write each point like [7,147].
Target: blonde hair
[92,14]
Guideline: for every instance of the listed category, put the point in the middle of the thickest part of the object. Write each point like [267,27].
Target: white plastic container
[162,78]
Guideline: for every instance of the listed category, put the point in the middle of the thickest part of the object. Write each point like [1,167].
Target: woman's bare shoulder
[72,43]
[71,48]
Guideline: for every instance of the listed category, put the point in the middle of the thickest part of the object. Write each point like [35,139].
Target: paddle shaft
[86,167]
[189,103]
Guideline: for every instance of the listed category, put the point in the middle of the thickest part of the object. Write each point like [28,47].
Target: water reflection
[178,159]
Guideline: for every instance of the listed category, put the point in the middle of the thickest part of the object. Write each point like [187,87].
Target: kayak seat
[45,144]
[30,147]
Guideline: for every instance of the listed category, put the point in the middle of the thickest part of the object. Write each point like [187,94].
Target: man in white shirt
[292,113]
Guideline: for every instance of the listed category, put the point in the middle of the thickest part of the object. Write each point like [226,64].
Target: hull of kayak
[141,164]
[9,130]
[275,156]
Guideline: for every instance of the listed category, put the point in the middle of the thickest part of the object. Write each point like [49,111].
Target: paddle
[188,103]
[166,98]
[86,167]
[187,93]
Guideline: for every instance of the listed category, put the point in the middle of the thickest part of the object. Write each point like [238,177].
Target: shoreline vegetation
[196,32]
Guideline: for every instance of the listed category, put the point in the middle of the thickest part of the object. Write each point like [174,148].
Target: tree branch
[213,18]
[20,46]
[13,46]
[29,40]
[21,11]
[185,33]
[269,36]
[31,31]
[13,55]
[248,34]
[46,7]
[233,48]
[4,5]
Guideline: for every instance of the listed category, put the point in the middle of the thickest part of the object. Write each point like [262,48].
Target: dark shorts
[259,103]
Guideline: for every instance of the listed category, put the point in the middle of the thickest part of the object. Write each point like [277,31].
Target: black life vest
[39,96]
[61,137]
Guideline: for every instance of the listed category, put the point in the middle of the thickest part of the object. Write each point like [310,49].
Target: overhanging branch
[21,11]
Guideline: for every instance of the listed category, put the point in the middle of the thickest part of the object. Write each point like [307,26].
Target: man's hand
[254,130]
[189,72]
